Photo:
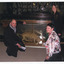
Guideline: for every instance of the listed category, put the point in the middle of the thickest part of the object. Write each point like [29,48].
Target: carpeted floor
[30,55]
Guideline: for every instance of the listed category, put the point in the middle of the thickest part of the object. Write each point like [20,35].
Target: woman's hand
[59,34]
[47,57]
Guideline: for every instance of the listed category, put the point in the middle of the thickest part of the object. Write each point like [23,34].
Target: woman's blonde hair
[57,8]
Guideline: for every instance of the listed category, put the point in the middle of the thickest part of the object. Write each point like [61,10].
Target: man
[52,44]
[11,40]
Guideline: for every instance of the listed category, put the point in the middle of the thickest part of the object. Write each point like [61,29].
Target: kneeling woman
[52,45]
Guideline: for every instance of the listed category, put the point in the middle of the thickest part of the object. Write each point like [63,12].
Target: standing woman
[52,45]
[57,20]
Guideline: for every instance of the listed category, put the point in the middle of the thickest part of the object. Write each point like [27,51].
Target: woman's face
[54,8]
[49,29]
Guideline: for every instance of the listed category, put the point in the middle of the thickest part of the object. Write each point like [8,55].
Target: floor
[31,54]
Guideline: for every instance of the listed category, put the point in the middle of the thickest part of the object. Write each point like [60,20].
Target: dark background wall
[20,10]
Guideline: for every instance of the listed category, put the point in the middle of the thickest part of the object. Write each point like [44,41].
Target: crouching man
[12,41]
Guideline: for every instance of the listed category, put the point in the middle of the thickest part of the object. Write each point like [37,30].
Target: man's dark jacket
[10,40]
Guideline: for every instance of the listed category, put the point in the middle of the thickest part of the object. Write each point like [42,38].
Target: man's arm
[8,37]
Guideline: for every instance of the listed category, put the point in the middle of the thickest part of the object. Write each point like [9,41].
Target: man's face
[49,29]
[13,23]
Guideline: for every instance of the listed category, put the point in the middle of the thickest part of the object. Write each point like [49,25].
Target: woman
[57,20]
[52,45]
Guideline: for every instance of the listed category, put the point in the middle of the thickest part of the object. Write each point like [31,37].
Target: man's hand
[18,45]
